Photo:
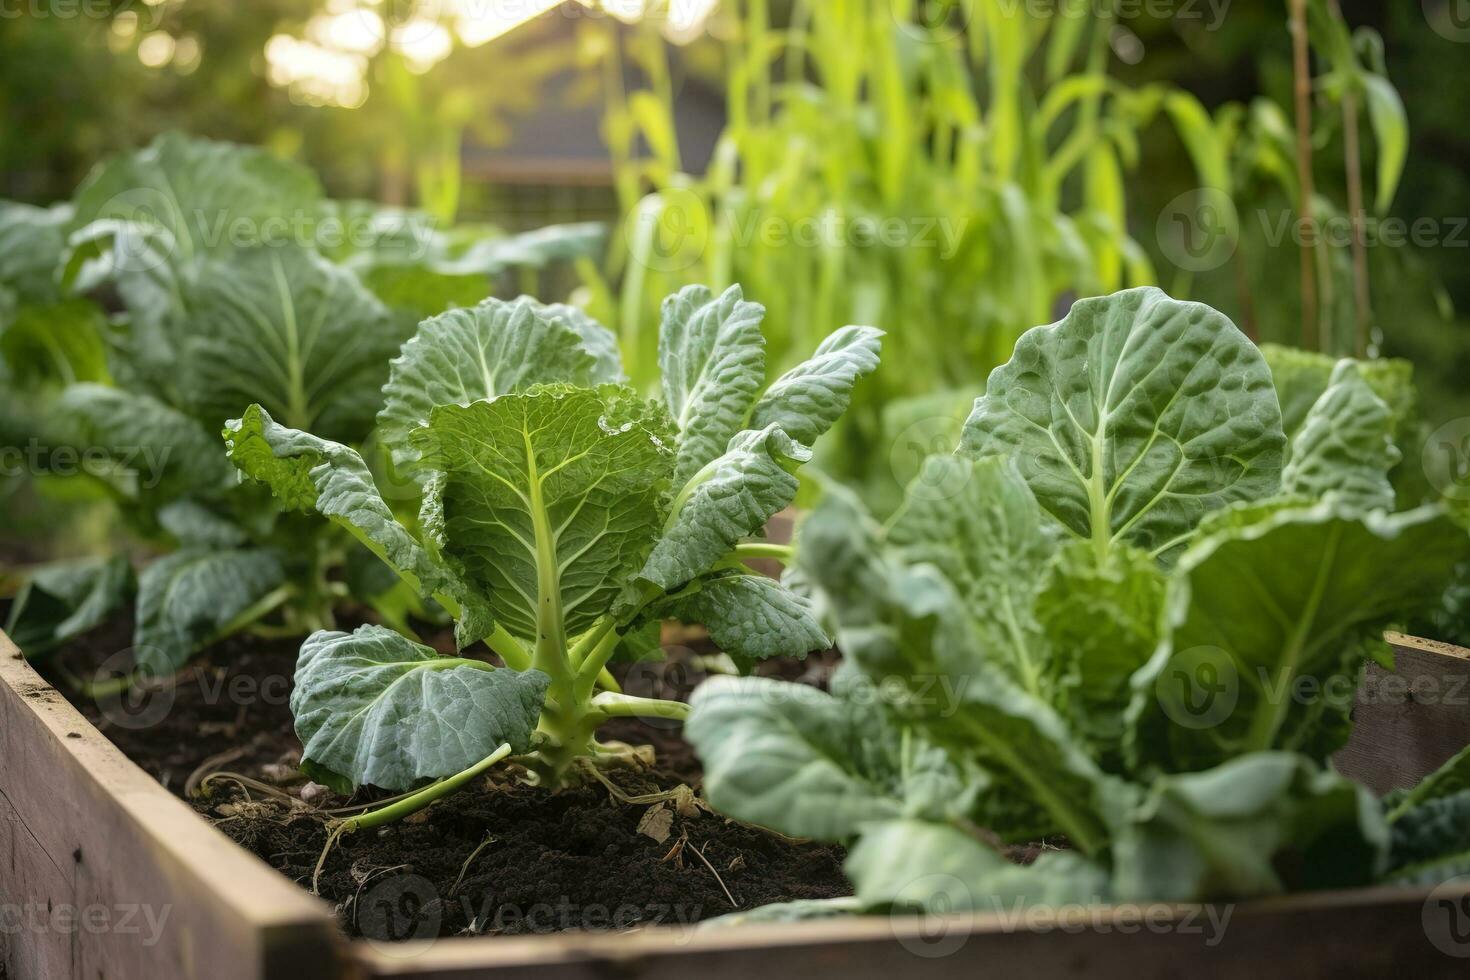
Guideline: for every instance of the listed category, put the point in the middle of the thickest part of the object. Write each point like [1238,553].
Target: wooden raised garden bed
[105,875]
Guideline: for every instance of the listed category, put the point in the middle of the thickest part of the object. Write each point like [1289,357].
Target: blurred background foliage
[1053,135]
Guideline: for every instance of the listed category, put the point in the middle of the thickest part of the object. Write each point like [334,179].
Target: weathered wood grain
[1409,722]
[106,876]
[1367,933]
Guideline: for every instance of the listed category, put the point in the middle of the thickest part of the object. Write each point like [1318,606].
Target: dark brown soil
[506,858]
[228,709]
[498,858]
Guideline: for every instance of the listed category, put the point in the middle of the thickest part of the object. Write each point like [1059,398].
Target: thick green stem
[593,667]
[610,705]
[765,549]
[416,802]
[509,649]
[591,640]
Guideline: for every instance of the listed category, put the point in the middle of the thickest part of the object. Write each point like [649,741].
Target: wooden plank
[104,875]
[1409,722]
[1364,933]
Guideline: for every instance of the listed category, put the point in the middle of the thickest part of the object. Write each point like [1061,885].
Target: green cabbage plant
[229,279]
[1128,611]
[562,514]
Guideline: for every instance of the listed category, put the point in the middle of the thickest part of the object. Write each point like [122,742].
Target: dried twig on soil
[699,853]
[467,862]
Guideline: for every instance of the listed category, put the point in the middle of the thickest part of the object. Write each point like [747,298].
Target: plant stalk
[1306,190]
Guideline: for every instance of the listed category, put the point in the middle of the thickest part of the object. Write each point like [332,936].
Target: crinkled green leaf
[310,474]
[809,399]
[32,241]
[289,330]
[375,708]
[60,602]
[557,492]
[1431,841]
[978,523]
[1345,446]
[1134,417]
[464,356]
[1449,779]
[713,360]
[210,196]
[1100,618]
[155,450]
[187,597]
[750,617]
[805,763]
[909,624]
[60,342]
[597,340]
[938,868]
[1261,824]
[1270,598]
[731,498]
[192,523]
[1301,377]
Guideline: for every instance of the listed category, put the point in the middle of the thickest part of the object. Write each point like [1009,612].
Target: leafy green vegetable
[391,712]
[1430,825]
[286,329]
[1124,615]
[493,349]
[61,602]
[1133,417]
[1286,600]
[544,499]
[553,526]
[230,280]
[750,617]
[1274,822]
[189,598]
[1345,445]
[712,357]
[790,756]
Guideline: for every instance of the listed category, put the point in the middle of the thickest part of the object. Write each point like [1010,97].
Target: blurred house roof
[562,142]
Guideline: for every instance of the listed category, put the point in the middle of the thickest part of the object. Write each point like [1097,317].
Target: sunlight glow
[479,21]
[314,74]
[423,43]
[156,49]
[328,65]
